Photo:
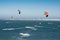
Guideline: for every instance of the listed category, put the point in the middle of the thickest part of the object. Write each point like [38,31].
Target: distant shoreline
[35,19]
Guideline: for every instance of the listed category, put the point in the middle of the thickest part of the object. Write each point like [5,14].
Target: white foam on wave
[10,28]
[24,34]
[29,27]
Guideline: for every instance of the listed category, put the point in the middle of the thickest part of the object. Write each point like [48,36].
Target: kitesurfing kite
[46,13]
[19,11]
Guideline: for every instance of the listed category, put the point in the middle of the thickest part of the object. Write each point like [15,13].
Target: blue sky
[30,9]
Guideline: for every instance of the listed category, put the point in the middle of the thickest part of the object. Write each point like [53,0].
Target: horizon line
[35,19]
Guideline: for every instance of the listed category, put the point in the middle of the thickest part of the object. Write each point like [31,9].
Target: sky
[30,9]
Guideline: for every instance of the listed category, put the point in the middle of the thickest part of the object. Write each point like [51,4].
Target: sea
[29,30]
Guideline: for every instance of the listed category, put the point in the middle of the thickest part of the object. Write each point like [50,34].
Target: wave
[30,27]
[40,23]
[24,34]
[10,28]
[8,22]
[38,26]
[50,23]
[35,27]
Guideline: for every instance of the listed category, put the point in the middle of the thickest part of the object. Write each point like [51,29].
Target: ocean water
[29,30]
